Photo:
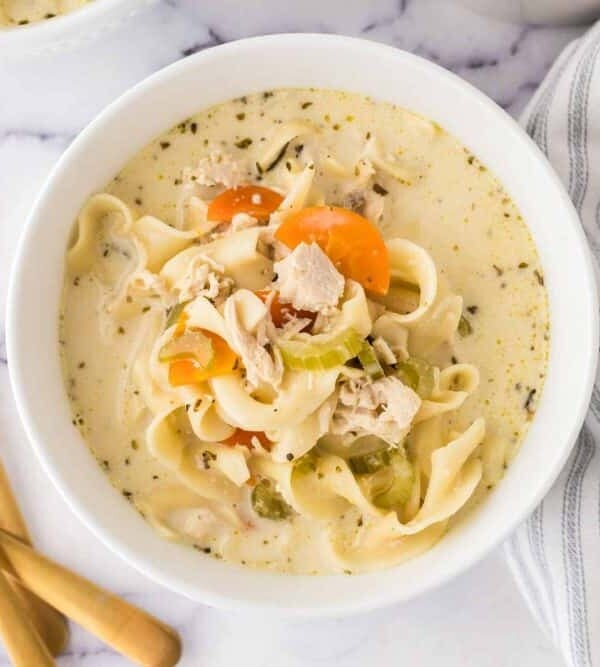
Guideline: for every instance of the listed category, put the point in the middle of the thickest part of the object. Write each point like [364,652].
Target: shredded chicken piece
[384,408]
[261,359]
[146,282]
[217,169]
[204,278]
[307,279]
[326,319]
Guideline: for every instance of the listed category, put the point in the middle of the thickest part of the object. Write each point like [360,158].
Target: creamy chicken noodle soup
[304,331]
[22,12]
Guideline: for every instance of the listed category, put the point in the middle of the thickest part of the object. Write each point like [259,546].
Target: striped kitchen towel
[555,554]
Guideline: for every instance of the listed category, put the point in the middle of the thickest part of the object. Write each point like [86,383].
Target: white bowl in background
[541,12]
[229,71]
[66,31]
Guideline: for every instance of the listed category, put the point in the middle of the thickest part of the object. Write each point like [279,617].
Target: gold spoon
[49,623]
[131,631]
[23,644]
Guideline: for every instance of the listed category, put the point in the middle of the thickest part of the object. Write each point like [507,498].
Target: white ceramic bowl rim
[285,61]
[67,29]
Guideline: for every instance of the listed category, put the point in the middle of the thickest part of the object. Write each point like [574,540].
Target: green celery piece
[190,345]
[369,362]
[369,463]
[400,489]
[418,375]
[268,503]
[304,355]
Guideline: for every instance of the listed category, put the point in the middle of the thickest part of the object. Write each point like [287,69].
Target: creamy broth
[416,183]
[22,12]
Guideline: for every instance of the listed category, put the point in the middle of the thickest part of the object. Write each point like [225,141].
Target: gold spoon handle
[131,631]
[11,519]
[23,644]
[49,623]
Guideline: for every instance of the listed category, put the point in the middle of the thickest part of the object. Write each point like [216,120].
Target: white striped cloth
[555,554]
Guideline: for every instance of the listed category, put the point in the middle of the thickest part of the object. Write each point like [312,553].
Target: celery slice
[304,355]
[369,463]
[306,463]
[418,375]
[269,503]
[192,344]
[369,362]
[386,476]
[400,489]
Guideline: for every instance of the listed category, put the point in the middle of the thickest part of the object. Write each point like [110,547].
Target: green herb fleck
[278,157]
[464,327]
[244,143]
[529,401]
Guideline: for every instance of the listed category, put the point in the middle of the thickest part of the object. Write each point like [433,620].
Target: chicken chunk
[384,408]
[308,280]
[261,359]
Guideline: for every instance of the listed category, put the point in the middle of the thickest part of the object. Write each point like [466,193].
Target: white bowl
[219,74]
[66,31]
[541,12]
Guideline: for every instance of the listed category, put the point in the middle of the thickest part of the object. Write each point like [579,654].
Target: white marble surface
[480,618]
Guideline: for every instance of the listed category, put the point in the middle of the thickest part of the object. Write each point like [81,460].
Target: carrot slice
[244,438]
[351,242]
[281,313]
[254,200]
[189,371]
